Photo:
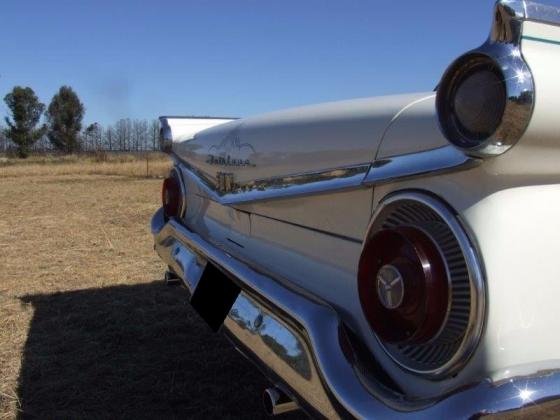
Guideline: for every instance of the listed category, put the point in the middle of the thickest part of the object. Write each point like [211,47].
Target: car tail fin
[175,129]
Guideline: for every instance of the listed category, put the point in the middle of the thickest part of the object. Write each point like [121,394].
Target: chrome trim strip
[431,162]
[281,187]
[298,184]
[427,163]
[196,117]
[536,11]
[297,342]
[477,282]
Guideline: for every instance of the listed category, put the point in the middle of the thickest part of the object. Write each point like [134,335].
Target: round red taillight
[171,196]
[403,286]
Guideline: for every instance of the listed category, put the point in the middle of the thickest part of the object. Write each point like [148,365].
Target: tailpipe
[277,402]
[172,279]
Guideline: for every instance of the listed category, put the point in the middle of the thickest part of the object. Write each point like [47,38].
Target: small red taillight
[171,196]
[403,286]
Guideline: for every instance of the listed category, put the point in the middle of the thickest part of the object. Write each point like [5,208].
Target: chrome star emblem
[390,287]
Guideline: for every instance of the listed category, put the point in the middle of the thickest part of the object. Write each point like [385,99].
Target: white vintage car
[392,256]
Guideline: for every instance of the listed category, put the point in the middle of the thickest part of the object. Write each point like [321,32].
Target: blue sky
[141,59]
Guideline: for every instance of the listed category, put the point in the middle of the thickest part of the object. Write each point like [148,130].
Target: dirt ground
[87,327]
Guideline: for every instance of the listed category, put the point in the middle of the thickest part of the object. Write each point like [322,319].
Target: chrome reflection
[431,162]
[276,402]
[534,11]
[165,136]
[186,263]
[225,190]
[525,395]
[297,184]
[426,163]
[335,378]
[275,336]
[502,49]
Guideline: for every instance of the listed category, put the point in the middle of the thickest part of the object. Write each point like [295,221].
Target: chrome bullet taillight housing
[485,99]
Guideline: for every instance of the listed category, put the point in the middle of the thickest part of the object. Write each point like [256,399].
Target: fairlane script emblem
[231,151]
[390,287]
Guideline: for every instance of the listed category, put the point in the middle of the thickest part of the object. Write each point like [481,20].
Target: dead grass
[87,329]
[142,165]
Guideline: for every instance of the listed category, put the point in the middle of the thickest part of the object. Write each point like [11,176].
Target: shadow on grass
[131,352]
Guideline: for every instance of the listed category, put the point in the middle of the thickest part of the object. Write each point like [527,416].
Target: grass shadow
[131,352]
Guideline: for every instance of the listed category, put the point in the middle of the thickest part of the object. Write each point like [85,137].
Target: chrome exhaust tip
[277,402]
[172,279]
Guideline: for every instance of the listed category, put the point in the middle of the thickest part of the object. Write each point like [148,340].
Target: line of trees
[62,130]
[125,135]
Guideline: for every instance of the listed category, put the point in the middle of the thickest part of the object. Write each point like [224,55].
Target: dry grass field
[130,165]
[87,327]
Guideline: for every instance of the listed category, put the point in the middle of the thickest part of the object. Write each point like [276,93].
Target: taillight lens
[403,286]
[171,196]
[472,102]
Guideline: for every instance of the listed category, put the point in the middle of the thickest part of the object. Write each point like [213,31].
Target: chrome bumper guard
[297,342]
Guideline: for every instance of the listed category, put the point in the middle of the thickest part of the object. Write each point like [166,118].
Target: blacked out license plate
[214,296]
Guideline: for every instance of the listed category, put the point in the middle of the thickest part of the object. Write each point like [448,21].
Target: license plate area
[214,296]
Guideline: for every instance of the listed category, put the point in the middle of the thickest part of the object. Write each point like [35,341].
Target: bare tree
[93,137]
[109,138]
[43,145]
[139,134]
[154,134]
[121,134]
[98,137]
[136,135]
[128,134]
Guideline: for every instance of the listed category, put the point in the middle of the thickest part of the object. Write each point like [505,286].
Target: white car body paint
[509,203]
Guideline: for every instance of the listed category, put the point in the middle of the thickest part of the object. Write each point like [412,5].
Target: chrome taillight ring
[455,343]
[501,55]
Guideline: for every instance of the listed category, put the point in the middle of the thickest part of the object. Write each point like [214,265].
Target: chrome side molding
[282,187]
[431,162]
[534,11]
[426,163]
[298,184]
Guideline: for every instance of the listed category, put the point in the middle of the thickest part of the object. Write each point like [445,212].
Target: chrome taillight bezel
[468,341]
[501,51]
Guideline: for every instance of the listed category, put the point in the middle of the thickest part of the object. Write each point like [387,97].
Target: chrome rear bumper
[300,344]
